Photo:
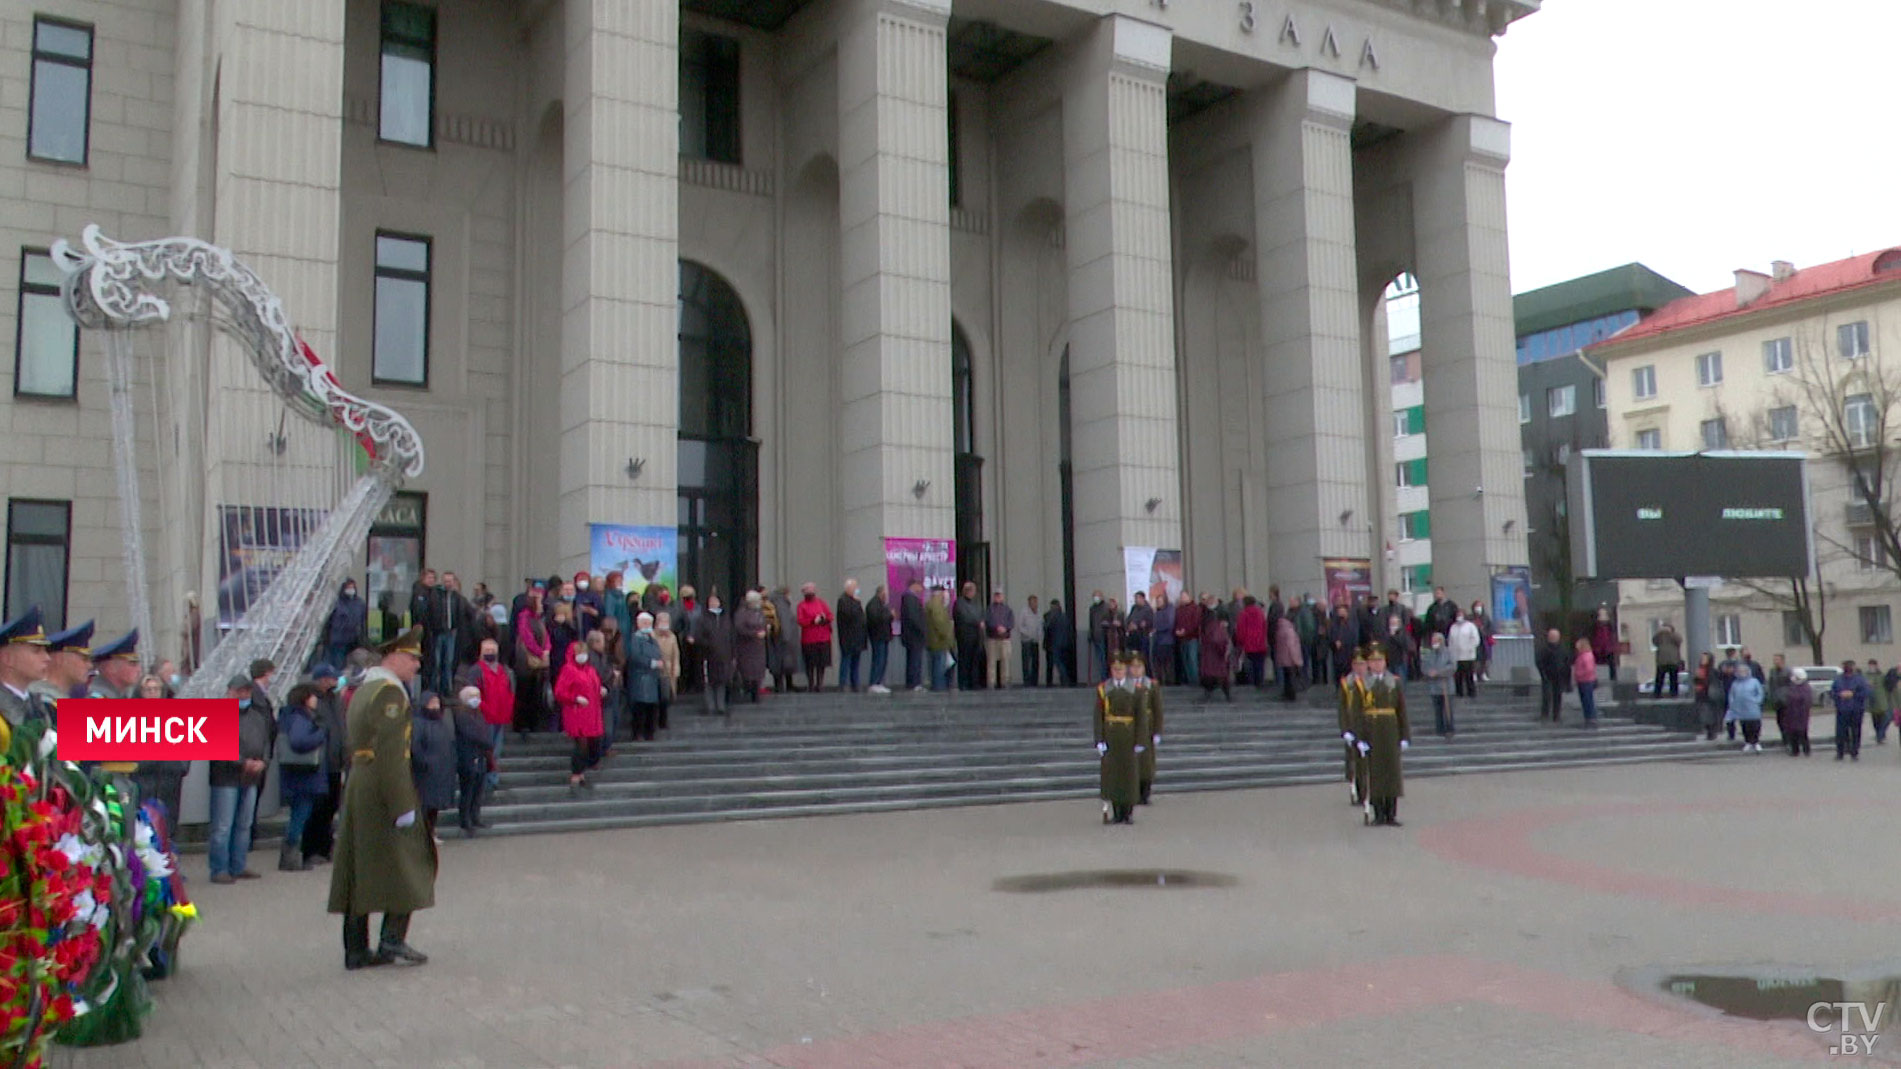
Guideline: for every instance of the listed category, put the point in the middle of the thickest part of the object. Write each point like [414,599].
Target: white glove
[1365,749]
[1156,740]
[1141,749]
[1347,736]
[407,819]
[1404,745]
[656,664]
[1102,747]
[580,701]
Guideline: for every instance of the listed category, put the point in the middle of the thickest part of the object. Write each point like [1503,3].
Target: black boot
[1146,785]
[290,858]
[356,943]
[395,947]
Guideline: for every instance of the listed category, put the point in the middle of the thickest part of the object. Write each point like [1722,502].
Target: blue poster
[643,555]
[1511,601]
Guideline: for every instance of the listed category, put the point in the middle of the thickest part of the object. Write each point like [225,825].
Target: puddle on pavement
[1152,879]
[1832,1008]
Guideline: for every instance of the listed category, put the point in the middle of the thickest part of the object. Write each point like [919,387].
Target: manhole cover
[1157,879]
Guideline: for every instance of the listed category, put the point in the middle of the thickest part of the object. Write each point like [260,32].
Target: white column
[620,391]
[894,216]
[1121,299]
[1475,467]
[1306,262]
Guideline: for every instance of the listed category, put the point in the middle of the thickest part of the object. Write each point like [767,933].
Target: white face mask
[473,703]
[582,585]
[580,658]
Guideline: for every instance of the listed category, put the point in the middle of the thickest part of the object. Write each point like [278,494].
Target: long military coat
[1153,695]
[1383,726]
[1352,695]
[1122,722]
[381,868]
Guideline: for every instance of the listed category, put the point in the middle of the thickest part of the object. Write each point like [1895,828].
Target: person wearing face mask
[432,757]
[578,692]
[815,636]
[234,787]
[474,756]
[497,688]
[319,837]
[349,624]
[588,606]
[644,665]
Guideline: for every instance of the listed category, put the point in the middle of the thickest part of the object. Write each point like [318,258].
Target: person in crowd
[496,685]
[1029,640]
[1554,675]
[1275,609]
[1384,736]
[1139,627]
[911,635]
[1745,708]
[1250,632]
[1367,616]
[1059,635]
[1401,654]
[1703,694]
[1881,700]
[1442,613]
[1162,647]
[1115,628]
[234,787]
[1775,687]
[563,637]
[785,638]
[610,663]
[967,627]
[1464,639]
[940,638]
[815,636]
[447,618]
[320,829]
[1584,677]
[750,636]
[1792,713]
[1483,621]
[1726,672]
[385,862]
[878,633]
[534,656]
[1000,623]
[687,616]
[1343,640]
[348,626]
[432,757]
[1604,639]
[419,594]
[1437,667]
[1098,638]
[1288,655]
[656,598]
[151,687]
[302,745]
[1216,651]
[1310,624]
[614,603]
[474,758]
[1852,695]
[1753,666]
[1669,647]
[669,644]
[849,618]
[578,693]
[1188,638]
[718,635]
[589,607]
[644,665]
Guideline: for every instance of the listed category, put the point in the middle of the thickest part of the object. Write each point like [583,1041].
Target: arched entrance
[973,552]
[719,460]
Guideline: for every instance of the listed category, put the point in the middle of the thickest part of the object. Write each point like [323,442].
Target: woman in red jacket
[1250,633]
[578,691]
[815,636]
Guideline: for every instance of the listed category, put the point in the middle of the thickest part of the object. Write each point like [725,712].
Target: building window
[1861,422]
[1411,472]
[950,116]
[1778,356]
[1414,526]
[1531,462]
[1851,340]
[1597,392]
[402,310]
[46,340]
[60,115]
[1729,629]
[1561,400]
[1877,625]
[1651,438]
[1782,423]
[1643,382]
[1709,369]
[1399,424]
[408,101]
[1524,408]
[39,540]
[1870,554]
[1793,633]
[709,97]
[1715,433]
[1406,368]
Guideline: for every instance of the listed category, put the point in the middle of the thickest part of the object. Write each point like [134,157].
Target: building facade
[1789,360]
[1047,277]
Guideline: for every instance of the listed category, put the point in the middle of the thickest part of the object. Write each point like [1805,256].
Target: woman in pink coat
[1250,633]
[578,692]
[1287,655]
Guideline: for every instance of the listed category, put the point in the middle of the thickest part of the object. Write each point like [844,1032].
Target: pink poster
[931,561]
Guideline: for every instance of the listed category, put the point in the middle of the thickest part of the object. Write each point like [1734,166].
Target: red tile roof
[1807,284]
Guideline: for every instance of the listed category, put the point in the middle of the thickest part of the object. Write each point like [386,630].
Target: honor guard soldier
[115,667]
[1151,693]
[71,667]
[1384,733]
[24,659]
[1352,698]
[1121,722]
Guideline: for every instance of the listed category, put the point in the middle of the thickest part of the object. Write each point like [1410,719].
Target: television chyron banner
[1649,515]
[148,729]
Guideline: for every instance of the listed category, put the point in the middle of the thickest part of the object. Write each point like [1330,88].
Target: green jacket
[1880,698]
[939,637]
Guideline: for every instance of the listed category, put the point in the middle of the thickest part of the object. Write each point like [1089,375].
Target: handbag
[290,760]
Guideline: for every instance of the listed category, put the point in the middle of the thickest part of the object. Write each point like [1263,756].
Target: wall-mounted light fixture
[919,488]
[1152,504]
[1346,517]
[1509,524]
[635,465]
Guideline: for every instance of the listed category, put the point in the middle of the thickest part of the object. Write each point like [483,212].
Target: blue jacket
[1851,694]
[643,679]
[1745,698]
[432,759]
[305,734]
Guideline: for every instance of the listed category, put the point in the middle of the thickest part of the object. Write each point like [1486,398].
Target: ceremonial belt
[1380,712]
[1114,719]
[363,757]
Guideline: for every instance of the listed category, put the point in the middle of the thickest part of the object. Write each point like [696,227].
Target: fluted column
[620,390]
[1121,298]
[1468,352]
[894,216]
[1310,329]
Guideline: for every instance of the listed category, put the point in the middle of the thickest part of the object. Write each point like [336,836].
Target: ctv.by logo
[1835,1018]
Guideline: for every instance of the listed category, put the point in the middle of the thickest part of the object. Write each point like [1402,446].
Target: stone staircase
[804,755]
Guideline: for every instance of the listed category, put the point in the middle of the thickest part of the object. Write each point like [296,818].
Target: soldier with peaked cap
[1151,694]
[115,667]
[24,660]
[1121,725]
[1352,698]
[71,666]
[385,860]
[1384,734]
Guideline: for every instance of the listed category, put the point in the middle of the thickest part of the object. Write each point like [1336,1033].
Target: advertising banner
[931,561]
[1511,601]
[643,555]
[1348,579]
[255,543]
[1156,573]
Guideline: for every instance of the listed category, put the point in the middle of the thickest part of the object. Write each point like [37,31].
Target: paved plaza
[1516,920]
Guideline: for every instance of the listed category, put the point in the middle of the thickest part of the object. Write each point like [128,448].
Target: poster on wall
[931,561]
[394,561]
[255,543]
[1348,579]
[1511,601]
[643,555]
[1156,573]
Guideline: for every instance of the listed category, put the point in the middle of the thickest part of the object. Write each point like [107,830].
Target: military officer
[24,660]
[1121,724]
[385,861]
[1352,695]
[1386,735]
[115,667]
[71,666]
[1151,693]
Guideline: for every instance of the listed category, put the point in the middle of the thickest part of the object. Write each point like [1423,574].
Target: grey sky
[1699,136]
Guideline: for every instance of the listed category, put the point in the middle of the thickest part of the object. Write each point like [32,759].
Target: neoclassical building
[1049,277]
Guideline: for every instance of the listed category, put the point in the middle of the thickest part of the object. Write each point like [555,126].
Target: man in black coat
[1059,637]
[911,634]
[967,623]
[1554,674]
[848,625]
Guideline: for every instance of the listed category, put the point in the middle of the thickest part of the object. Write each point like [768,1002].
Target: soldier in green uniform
[385,860]
[24,660]
[1151,693]
[1383,730]
[1352,693]
[1120,719]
